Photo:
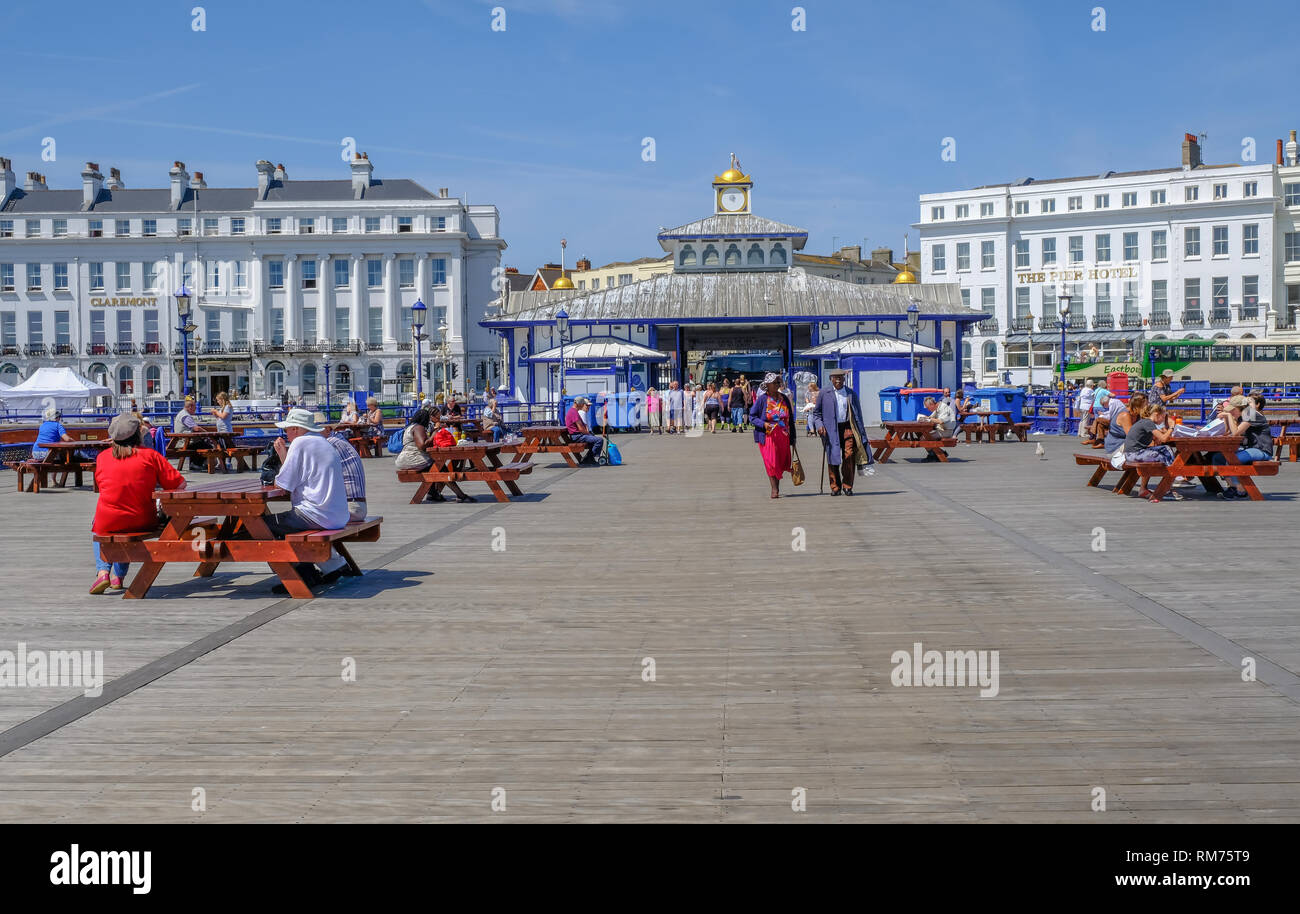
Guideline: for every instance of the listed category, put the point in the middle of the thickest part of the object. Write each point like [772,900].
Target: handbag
[796,467]
[1117,458]
[395,441]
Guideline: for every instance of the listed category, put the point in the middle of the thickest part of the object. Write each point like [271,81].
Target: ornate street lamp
[184,303]
[444,356]
[913,322]
[1063,299]
[417,331]
[326,360]
[562,327]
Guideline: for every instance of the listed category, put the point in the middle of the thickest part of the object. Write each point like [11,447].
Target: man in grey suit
[839,414]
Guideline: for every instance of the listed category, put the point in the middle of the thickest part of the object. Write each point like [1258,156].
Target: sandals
[101,583]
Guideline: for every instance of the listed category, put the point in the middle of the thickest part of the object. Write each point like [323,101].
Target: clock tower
[731,190]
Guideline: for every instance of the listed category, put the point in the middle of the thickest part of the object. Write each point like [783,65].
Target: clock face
[733,200]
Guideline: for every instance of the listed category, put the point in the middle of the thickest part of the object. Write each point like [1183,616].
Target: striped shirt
[354,474]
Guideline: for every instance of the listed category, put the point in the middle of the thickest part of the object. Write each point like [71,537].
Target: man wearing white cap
[312,473]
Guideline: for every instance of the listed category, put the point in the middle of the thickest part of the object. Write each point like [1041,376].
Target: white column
[261,308]
[360,319]
[290,297]
[324,298]
[392,326]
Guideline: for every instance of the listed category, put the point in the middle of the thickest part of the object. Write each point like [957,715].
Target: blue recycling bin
[913,401]
[891,404]
[1001,399]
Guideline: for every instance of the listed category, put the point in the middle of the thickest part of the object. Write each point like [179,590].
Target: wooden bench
[1021,430]
[309,546]
[41,470]
[1208,473]
[508,473]
[546,439]
[1291,442]
[909,435]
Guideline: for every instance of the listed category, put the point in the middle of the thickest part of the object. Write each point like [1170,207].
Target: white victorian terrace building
[287,277]
[1172,253]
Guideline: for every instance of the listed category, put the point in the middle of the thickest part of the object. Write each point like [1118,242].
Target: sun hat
[581,401]
[1167,373]
[836,371]
[1238,402]
[771,378]
[52,413]
[124,427]
[299,418]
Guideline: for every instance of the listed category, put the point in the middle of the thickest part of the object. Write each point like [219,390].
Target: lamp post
[442,356]
[913,322]
[184,302]
[1063,299]
[417,331]
[562,327]
[326,360]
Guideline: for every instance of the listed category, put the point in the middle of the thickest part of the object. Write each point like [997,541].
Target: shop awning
[865,344]
[1077,336]
[601,349]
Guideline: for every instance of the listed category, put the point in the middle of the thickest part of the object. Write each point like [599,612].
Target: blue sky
[841,125]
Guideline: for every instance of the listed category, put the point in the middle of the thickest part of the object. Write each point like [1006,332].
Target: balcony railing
[1193,317]
[1022,324]
[154,348]
[123,349]
[405,347]
[353,346]
[1130,319]
[63,349]
[238,347]
[97,349]
[1249,312]
[213,346]
[1078,322]
[1286,318]
[1159,320]
[1049,323]
[372,346]
[10,349]
[1103,321]
[1220,317]
[989,325]
[37,349]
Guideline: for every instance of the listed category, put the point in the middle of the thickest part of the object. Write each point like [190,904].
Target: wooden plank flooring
[480,669]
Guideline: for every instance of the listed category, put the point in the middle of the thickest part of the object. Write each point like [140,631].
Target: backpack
[615,457]
[395,441]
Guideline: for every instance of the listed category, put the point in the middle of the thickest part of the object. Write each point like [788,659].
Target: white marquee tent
[61,387]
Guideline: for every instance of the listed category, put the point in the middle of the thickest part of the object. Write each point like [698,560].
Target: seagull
[1038,449]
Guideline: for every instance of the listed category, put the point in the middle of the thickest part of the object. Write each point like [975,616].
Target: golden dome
[731,175]
[565,282]
[905,276]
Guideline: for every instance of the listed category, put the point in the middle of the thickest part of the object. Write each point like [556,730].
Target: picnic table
[988,422]
[61,461]
[1287,438]
[1193,459]
[467,462]
[225,521]
[547,439]
[360,437]
[220,447]
[909,434]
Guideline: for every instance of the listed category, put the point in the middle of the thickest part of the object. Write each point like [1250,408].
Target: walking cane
[821,480]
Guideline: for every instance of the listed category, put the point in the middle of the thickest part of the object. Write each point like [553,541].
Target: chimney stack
[8,180]
[197,181]
[1191,152]
[1279,153]
[582,265]
[115,179]
[1292,151]
[362,174]
[883,255]
[179,178]
[852,252]
[280,174]
[91,184]
[444,192]
[264,169]
[34,182]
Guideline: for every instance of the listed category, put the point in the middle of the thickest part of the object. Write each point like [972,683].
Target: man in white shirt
[943,418]
[1084,407]
[312,473]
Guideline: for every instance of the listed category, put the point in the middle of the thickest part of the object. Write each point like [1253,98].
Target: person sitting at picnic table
[354,474]
[151,437]
[772,415]
[51,430]
[350,416]
[374,418]
[450,406]
[944,421]
[1244,419]
[490,419]
[1146,443]
[127,475]
[1122,418]
[1162,391]
[222,411]
[579,432]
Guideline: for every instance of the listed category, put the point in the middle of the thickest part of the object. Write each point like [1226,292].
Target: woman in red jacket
[127,475]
